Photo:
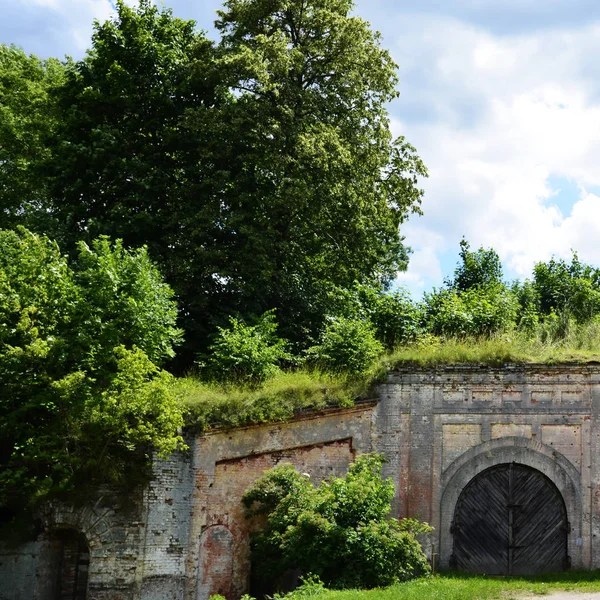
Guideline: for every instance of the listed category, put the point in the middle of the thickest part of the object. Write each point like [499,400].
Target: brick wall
[185,537]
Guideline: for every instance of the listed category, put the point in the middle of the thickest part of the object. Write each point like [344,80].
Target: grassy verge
[494,351]
[465,587]
[209,405]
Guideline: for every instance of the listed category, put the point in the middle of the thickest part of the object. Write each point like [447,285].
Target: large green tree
[116,169]
[316,186]
[82,398]
[28,118]
[259,173]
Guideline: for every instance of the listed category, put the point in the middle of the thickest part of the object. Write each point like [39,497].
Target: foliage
[310,586]
[317,187]
[209,404]
[573,289]
[339,531]
[126,285]
[28,119]
[481,268]
[246,353]
[80,400]
[346,346]
[255,170]
[393,314]
[473,312]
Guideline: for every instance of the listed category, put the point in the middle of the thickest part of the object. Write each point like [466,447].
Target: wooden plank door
[510,520]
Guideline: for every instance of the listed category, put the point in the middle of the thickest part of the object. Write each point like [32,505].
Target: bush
[395,317]
[339,531]
[81,402]
[475,312]
[246,354]
[346,346]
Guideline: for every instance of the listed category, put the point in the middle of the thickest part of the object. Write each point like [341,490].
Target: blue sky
[500,97]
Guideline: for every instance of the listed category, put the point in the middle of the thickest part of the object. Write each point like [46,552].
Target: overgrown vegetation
[339,530]
[83,401]
[258,176]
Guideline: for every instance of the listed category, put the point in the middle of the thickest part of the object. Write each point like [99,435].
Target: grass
[208,404]
[494,351]
[476,587]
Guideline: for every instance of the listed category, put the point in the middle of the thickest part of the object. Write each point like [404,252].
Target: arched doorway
[63,573]
[510,520]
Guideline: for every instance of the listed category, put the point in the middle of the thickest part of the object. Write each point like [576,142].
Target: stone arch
[63,566]
[66,529]
[561,472]
[216,562]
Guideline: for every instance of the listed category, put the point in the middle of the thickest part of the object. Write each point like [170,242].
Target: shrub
[81,401]
[346,346]
[395,317]
[339,531]
[246,353]
[475,312]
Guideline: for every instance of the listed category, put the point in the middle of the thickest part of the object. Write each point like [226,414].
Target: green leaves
[346,345]
[339,531]
[246,354]
[81,401]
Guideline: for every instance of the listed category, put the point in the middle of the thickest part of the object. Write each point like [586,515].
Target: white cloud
[60,26]
[503,116]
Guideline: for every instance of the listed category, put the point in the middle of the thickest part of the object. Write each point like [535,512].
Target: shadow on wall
[63,566]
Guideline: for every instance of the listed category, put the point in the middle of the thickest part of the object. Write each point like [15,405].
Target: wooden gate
[510,520]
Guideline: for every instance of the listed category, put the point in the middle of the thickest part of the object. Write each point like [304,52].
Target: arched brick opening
[553,465]
[216,568]
[64,566]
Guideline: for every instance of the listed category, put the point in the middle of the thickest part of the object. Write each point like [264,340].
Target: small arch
[216,562]
[530,453]
[63,565]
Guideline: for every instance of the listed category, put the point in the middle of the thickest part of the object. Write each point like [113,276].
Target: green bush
[81,401]
[246,354]
[339,531]
[395,317]
[475,312]
[346,346]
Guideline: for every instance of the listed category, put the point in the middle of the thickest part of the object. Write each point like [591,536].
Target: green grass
[579,345]
[209,405]
[465,587]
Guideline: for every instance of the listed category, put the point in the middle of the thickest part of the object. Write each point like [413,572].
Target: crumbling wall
[441,427]
[225,465]
[185,537]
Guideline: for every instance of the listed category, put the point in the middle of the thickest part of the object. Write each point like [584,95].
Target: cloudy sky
[500,97]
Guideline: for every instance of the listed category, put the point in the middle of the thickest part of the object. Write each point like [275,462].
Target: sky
[501,98]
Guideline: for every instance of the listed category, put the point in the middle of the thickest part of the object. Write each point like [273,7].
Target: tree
[117,169]
[246,354]
[28,118]
[346,346]
[317,188]
[81,401]
[476,302]
[480,268]
[256,172]
[340,530]
[573,289]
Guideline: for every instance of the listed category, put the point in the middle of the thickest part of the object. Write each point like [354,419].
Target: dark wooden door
[510,520]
